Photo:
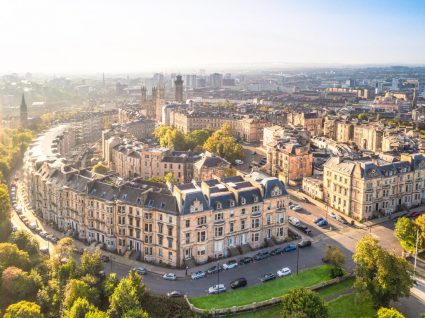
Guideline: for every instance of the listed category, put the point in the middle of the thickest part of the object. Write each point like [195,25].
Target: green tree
[80,308]
[50,299]
[136,313]
[66,271]
[389,313]
[336,258]
[381,275]
[303,303]
[18,285]
[420,223]
[23,309]
[75,289]
[127,296]
[110,282]
[100,168]
[65,248]
[405,231]
[25,242]
[11,255]
[197,138]
[91,263]
[362,116]
[5,226]
[96,314]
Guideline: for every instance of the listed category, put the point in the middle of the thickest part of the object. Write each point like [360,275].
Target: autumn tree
[223,144]
[302,302]
[26,242]
[389,313]
[23,309]
[336,258]
[80,308]
[91,263]
[11,255]
[381,275]
[75,289]
[18,285]
[110,282]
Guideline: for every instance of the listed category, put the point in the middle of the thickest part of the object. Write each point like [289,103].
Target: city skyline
[78,37]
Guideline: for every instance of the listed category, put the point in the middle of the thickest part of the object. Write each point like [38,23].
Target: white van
[294,221]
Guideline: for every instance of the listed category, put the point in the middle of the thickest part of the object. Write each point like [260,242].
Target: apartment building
[310,121]
[364,189]
[368,136]
[199,221]
[291,162]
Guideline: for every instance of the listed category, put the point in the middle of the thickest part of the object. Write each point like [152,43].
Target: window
[148,227]
[148,239]
[170,231]
[187,240]
[280,231]
[202,220]
[187,223]
[255,223]
[232,225]
[280,218]
[268,219]
[159,239]
[232,203]
[170,256]
[242,224]
[202,236]
[170,219]
[219,206]
[218,231]
[218,217]
[148,250]
[243,211]
[255,208]
[160,226]
[255,237]
[243,201]
[170,243]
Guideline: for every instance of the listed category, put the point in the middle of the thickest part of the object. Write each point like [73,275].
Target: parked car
[230,264]
[141,270]
[214,269]
[261,255]
[45,251]
[238,162]
[276,251]
[290,204]
[14,228]
[175,294]
[296,208]
[306,200]
[332,214]
[240,282]
[43,234]
[197,275]
[105,258]
[216,289]
[80,250]
[293,220]
[169,276]
[414,215]
[267,277]
[341,219]
[304,243]
[246,260]
[323,223]
[304,228]
[290,248]
[284,272]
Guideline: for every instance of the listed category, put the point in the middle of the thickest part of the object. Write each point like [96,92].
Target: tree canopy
[303,303]
[23,309]
[405,231]
[389,313]
[100,168]
[223,144]
[381,275]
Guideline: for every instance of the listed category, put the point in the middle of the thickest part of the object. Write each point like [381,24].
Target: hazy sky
[136,35]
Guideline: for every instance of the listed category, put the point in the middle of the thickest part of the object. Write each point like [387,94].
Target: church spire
[23,112]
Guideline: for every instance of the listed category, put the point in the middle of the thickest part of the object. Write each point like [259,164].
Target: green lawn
[264,291]
[274,311]
[349,306]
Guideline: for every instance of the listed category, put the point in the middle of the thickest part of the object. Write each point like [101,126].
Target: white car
[284,272]
[32,226]
[197,275]
[296,208]
[230,264]
[238,162]
[332,214]
[216,289]
[294,221]
[169,276]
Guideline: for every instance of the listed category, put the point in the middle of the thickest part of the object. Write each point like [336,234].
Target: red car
[414,215]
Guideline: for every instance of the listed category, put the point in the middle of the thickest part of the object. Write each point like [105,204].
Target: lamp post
[416,253]
[298,257]
[218,278]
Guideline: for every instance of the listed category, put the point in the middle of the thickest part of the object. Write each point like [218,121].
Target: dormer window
[243,200]
[219,205]
[232,203]
[255,198]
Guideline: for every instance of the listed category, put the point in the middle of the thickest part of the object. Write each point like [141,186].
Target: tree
[303,303]
[18,285]
[127,296]
[381,275]
[362,116]
[136,313]
[23,309]
[65,248]
[110,282]
[197,138]
[420,223]
[50,299]
[25,242]
[169,178]
[5,226]
[230,172]
[100,168]
[96,314]
[91,263]
[11,255]
[223,144]
[405,231]
[336,258]
[75,289]
[389,313]
[80,308]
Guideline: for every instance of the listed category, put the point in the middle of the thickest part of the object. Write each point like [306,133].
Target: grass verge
[264,291]
[351,306]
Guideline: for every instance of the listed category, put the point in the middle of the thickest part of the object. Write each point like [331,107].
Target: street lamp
[218,278]
[298,257]
[416,253]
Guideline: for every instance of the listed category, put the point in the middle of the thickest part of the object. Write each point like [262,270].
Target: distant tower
[178,83]
[24,112]
[143,92]
[415,98]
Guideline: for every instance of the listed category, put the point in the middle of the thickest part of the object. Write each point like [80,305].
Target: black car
[105,258]
[306,200]
[240,282]
[276,251]
[341,219]
[214,269]
[175,294]
[246,260]
[267,277]
[261,255]
[304,243]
